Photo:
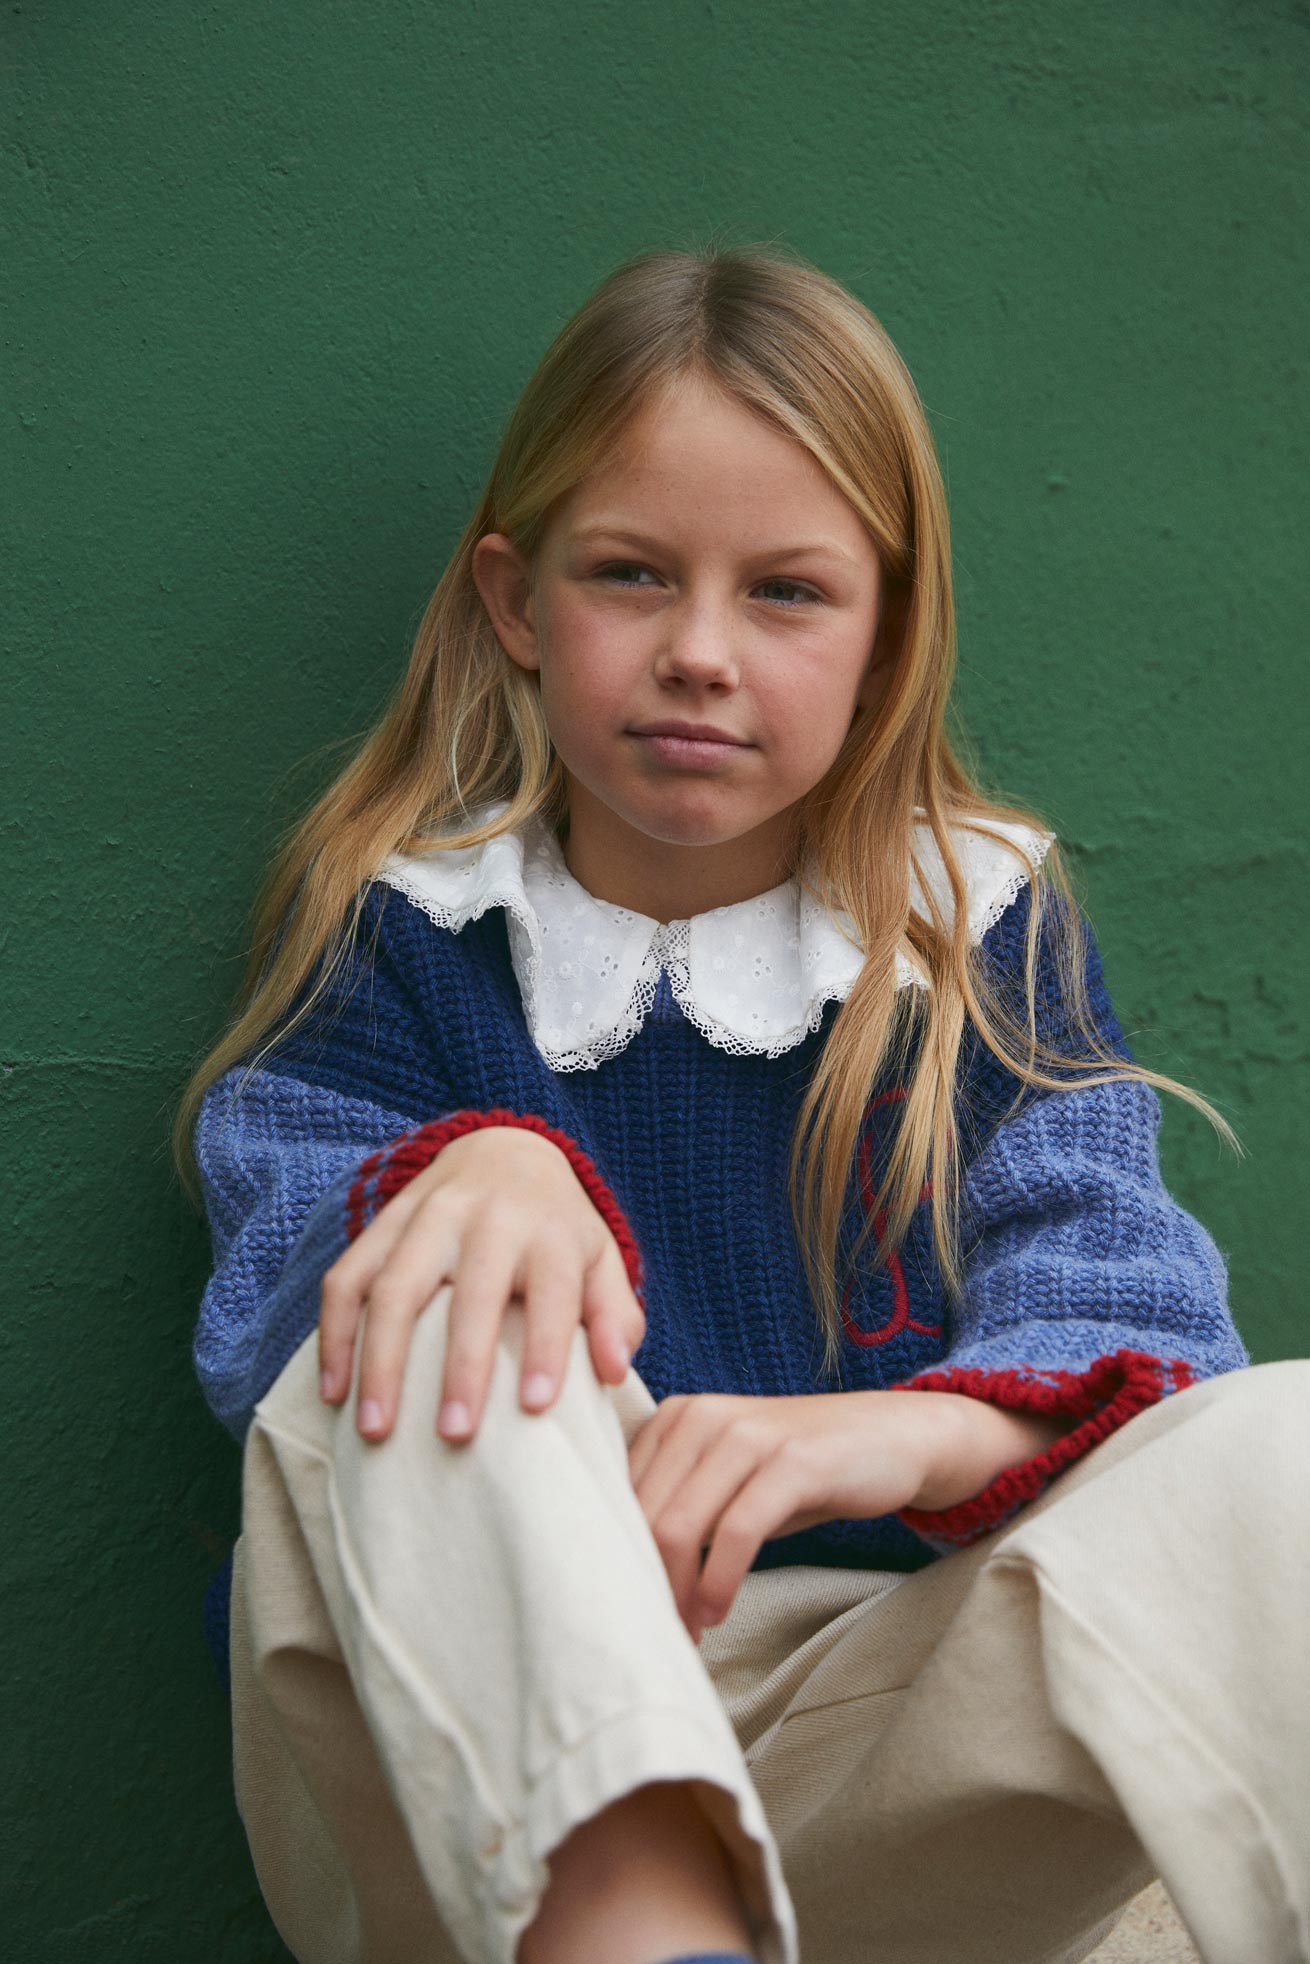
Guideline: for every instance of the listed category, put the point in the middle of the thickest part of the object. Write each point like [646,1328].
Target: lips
[690,732]
[684,753]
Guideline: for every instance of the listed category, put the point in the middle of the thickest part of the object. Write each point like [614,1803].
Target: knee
[293,1402]
[429,1336]
[1258,1421]
[1278,1388]
[490,1363]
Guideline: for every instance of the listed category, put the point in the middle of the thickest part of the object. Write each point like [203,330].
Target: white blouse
[753,976]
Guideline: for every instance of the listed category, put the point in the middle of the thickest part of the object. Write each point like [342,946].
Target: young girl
[659,1056]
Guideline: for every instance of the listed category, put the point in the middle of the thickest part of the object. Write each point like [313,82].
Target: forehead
[694,464]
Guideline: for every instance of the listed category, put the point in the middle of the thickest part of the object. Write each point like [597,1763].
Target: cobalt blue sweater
[1089,1292]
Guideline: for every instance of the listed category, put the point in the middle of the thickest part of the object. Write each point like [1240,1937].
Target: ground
[1151,1933]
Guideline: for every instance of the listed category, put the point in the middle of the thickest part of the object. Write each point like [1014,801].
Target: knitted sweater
[1088,1291]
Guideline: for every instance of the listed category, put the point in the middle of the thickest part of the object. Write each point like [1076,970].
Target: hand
[500,1212]
[728,1473]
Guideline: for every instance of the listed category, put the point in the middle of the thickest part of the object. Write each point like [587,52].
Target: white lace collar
[753,976]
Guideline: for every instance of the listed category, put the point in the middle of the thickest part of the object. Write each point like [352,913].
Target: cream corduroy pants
[444,1658]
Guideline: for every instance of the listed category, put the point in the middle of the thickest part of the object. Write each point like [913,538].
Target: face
[709,574]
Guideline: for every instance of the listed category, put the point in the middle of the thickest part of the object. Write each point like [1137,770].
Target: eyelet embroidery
[755,978]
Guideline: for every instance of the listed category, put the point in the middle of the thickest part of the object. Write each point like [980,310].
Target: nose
[698,648]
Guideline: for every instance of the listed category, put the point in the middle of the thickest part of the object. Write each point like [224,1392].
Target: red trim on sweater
[395,1166]
[355,1199]
[1112,1389]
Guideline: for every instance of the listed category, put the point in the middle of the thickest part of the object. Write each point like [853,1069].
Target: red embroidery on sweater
[356,1197]
[900,1318]
[410,1154]
[1112,1390]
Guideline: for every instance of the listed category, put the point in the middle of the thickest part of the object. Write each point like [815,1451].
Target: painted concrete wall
[276,276]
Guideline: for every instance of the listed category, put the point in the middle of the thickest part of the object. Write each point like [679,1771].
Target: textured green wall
[277,274]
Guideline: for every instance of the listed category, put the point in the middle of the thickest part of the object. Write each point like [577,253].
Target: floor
[1150,1933]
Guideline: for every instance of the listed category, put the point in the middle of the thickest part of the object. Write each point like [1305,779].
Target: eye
[805,592]
[802,593]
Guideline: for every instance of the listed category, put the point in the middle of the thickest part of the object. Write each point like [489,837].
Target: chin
[678,814]
[691,827]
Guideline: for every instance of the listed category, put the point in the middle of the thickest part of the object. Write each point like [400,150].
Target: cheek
[809,703]
[585,676]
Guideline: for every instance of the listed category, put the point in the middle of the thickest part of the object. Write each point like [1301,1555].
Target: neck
[668,880]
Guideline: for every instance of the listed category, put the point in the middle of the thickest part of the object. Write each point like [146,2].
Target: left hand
[726,1473]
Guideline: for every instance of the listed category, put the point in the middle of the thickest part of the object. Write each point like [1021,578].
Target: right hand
[499,1212]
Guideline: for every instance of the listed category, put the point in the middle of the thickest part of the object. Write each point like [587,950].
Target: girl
[656,995]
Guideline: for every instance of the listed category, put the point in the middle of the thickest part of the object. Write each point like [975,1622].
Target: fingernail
[325,1382]
[370,1416]
[453,1416]
[538,1387]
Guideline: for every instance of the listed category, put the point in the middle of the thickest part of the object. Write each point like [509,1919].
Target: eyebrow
[814,549]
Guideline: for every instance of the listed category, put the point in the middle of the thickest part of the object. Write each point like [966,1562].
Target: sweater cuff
[385,1172]
[1111,1390]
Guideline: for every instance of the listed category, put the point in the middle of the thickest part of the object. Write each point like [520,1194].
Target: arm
[1088,1292]
[1089,1295]
[292,1173]
[279,1161]
[297,1156]
[970,1441]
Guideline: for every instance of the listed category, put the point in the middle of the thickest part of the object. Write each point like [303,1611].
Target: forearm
[967,1442]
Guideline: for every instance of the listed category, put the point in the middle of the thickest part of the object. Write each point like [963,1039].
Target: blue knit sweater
[1089,1291]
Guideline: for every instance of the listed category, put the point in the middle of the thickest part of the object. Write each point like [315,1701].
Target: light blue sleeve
[1078,1247]
[278,1161]
[1089,1292]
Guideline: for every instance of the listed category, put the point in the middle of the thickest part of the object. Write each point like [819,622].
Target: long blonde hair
[466,726]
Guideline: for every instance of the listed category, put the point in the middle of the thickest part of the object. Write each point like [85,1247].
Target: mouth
[693,751]
[694,732]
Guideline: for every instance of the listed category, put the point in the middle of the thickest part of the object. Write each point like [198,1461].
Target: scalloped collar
[753,977]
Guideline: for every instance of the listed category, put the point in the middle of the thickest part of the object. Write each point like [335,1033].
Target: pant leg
[990,1759]
[446,1657]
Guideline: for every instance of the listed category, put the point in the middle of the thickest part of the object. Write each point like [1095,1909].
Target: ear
[504,579]
[888,642]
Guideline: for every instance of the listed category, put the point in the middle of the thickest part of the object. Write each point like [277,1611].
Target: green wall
[277,273]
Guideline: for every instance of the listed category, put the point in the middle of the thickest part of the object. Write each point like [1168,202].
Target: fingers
[761,1502]
[712,1495]
[420,1259]
[483,1283]
[614,1319]
[490,1247]
[552,1283]
[668,1446]
[691,1520]
[551,1278]
[345,1287]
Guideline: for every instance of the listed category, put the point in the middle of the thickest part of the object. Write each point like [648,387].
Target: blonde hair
[466,726]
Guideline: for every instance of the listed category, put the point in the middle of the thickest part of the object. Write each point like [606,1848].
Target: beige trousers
[446,1657]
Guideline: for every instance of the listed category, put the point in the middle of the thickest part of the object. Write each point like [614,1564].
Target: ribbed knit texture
[1089,1290]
